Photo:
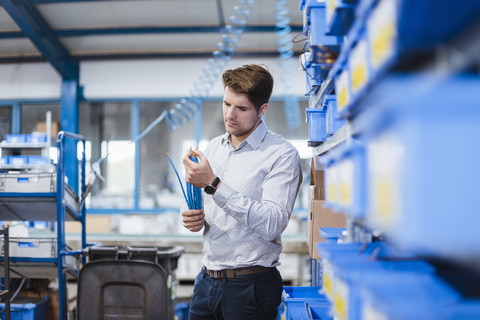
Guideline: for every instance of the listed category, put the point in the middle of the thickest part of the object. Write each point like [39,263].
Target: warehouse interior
[100,100]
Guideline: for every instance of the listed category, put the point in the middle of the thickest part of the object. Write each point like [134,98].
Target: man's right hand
[193,219]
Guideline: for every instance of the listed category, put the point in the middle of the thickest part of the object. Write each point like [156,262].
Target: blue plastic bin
[26,308]
[37,159]
[36,138]
[331,235]
[295,299]
[334,123]
[416,161]
[181,310]
[318,311]
[15,138]
[18,160]
[316,119]
[388,294]
[340,16]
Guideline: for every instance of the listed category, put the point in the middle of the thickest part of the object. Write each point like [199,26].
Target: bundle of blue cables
[193,196]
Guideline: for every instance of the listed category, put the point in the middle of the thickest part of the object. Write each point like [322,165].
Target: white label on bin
[385,161]
[359,66]
[382,33]
[342,90]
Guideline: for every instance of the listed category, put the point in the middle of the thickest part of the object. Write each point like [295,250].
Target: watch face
[209,189]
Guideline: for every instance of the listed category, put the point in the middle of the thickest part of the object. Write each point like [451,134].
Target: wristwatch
[212,187]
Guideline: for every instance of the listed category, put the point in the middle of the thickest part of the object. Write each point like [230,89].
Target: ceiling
[66,32]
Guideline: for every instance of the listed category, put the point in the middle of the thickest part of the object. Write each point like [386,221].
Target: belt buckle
[217,274]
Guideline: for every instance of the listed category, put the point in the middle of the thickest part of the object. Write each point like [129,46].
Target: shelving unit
[52,200]
[28,151]
[399,169]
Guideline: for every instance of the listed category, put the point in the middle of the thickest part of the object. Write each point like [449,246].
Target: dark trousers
[248,297]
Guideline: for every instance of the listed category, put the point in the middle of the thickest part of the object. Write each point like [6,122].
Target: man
[251,178]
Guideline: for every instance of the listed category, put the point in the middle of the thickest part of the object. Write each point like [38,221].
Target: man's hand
[198,174]
[193,219]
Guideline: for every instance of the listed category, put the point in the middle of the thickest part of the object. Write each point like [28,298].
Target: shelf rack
[58,205]
[407,109]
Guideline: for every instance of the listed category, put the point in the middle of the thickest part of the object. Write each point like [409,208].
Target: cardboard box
[55,128]
[316,174]
[320,217]
[317,179]
[93,224]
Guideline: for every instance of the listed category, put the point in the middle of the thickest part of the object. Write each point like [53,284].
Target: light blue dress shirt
[251,208]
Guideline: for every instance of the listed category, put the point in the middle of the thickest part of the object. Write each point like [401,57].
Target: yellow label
[327,284]
[384,197]
[346,173]
[345,193]
[341,86]
[359,77]
[382,31]
[331,192]
[340,307]
[342,99]
[382,45]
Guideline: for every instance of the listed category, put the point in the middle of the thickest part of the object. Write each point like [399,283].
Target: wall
[167,78]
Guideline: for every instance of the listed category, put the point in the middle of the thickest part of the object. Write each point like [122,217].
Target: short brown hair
[252,80]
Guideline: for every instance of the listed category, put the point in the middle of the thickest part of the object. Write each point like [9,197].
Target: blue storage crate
[4,160]
[316,119]
[331,235]
[315,25]
[295,298]
[26,308]
[181,310]
[334,123]
[387,294]
[344,267]
[340,16]
[18,160]
[36,138]
[318,311]
[318,71]
[402,27]
[422,180]
[16,138]
[37,160]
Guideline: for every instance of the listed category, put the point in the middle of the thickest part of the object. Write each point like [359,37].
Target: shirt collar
[254,139]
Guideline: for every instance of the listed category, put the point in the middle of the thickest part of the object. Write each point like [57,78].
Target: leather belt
[232,273]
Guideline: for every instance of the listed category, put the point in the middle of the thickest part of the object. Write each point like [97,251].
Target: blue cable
[178,177]
[193,196]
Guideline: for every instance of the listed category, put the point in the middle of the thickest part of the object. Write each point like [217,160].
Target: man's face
[240,115]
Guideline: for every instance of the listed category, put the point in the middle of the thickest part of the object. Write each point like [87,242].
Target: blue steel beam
[27,17]
[69,122]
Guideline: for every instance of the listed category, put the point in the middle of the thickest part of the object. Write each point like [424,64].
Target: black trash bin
[113,274]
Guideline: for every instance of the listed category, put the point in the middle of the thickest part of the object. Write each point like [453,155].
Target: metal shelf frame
[57,202]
